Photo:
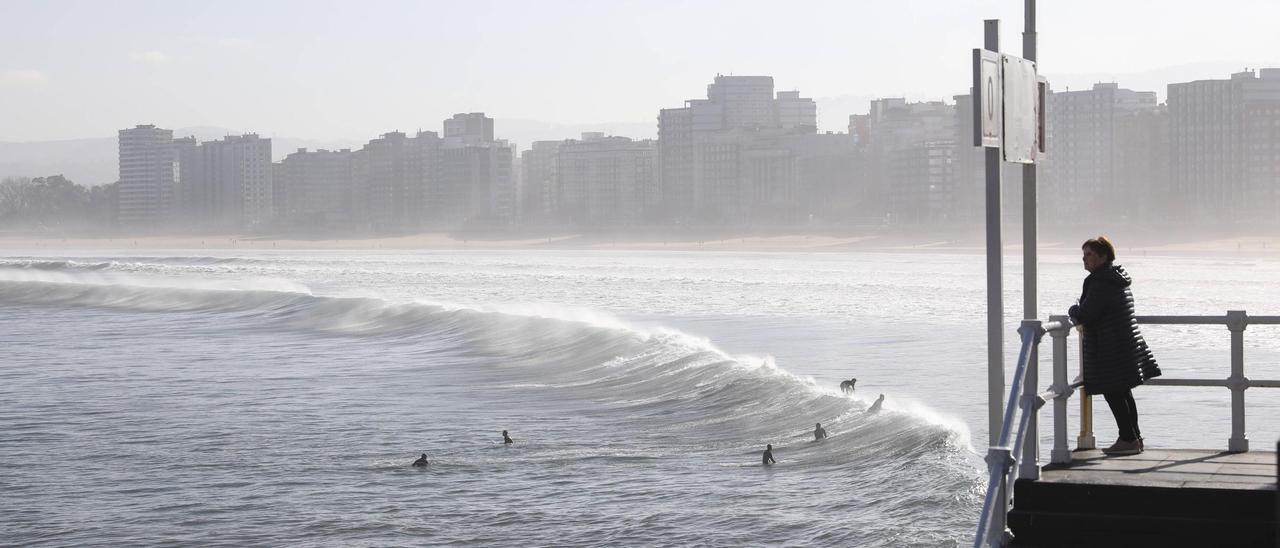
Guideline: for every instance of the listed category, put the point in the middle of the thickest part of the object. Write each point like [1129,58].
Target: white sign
[1021,110]
[988,100]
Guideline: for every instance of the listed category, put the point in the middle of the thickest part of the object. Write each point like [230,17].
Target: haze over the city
[350,71]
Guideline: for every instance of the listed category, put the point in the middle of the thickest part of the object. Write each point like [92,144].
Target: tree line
[54,203]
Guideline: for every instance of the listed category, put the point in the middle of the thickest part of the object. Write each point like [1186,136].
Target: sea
[264,398]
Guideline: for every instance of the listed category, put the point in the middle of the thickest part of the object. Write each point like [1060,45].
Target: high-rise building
[745,101]
[608,180]
[234,183]
[146,189]
[398,180]
[703,146]
[314,189]
[1096,151]
[469,128]
[1225,147]
[675,160]
[911,147]
[796,113]
[475,183]
[541,189]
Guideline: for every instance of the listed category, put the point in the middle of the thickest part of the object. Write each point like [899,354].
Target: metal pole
[1085,440]
[1030,297]
[1061,453]
[1237,320]
[995,301]
[995,282]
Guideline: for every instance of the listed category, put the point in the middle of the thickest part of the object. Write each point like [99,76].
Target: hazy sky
[352,70]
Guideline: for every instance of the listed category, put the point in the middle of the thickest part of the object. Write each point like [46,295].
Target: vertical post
[1029,462]
[1237,320]
[995,300]
[1061,453]
[1085,440]
[1031,447]
[995,282]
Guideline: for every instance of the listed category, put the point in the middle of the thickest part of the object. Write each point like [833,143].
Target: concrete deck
[1162,497]
[1169,468]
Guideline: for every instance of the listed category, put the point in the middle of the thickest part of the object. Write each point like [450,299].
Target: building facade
[147,167]
[1224,139]
[719,158]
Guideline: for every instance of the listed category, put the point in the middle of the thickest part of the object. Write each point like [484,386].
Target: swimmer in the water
[819,433]
[506,440]
[422,461]
[767,458]
[875,407]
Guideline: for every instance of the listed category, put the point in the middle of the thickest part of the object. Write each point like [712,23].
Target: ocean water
[271,398]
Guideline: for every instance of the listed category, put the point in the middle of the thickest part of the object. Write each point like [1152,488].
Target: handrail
[1001,456]
[1000,459]
[1236,322]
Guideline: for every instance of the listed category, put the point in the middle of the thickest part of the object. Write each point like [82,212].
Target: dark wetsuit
[767,458]
[422,461]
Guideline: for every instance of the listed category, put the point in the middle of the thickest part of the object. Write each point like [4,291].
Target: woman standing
[1116,358]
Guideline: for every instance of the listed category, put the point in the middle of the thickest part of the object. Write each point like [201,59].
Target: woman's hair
[1102,247]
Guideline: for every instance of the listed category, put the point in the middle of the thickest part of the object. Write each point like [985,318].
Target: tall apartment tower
[745,101]
[395,177]
[796,113]
[541,191]
[1225,147]
[1095,149]
[476,182]
[608,180]
[146,190]
[912,152]
[313,189]
[469,128]
[701,144]
[235,180]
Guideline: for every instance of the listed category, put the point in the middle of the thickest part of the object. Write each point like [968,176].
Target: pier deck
[1162,497]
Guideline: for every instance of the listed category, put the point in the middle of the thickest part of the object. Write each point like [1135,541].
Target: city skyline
[334,72]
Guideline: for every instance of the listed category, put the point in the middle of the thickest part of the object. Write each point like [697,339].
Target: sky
[333,70]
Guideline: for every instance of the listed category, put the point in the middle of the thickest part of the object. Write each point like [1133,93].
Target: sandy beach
[969,240]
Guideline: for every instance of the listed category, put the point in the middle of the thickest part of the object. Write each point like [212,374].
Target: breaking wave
[677,384]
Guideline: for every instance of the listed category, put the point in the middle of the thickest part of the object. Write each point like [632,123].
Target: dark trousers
[1126,413]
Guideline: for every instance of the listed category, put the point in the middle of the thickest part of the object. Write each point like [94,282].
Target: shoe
[1121,447]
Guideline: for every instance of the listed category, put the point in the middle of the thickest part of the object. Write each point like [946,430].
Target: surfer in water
[422,461]
[506,440]
[767,458]
[847,386]
[875,407]
[819,433]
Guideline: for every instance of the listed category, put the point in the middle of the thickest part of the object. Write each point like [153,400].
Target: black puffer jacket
[1115,355]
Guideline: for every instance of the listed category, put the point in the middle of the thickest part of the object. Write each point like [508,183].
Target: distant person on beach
[1115,356]
[819,433]
[847,386]
[506,440]
[767,458]
[875,407]
[422,461]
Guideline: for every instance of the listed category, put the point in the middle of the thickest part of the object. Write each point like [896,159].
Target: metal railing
[992,529]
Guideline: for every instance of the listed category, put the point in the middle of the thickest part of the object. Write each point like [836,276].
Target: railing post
[1061,454]
[1029,463]
[1085,440]
[1237,320]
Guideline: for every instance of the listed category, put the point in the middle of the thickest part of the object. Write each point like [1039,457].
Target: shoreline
[903,242]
